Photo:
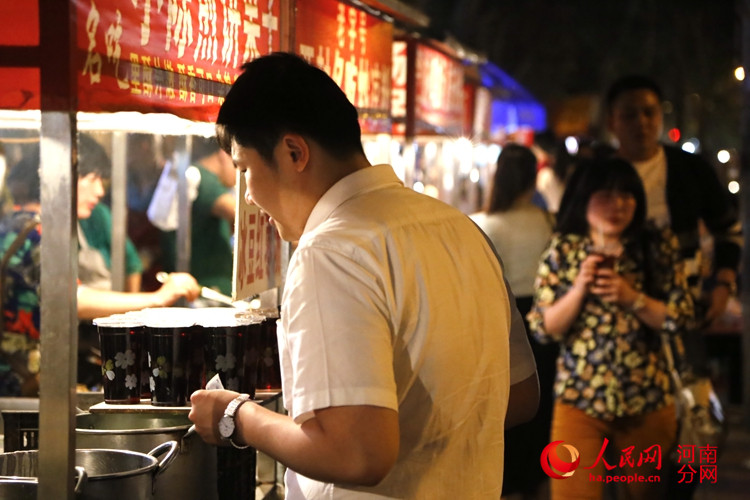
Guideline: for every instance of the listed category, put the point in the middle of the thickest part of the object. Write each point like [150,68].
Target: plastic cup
[169,355]
[120,341]
[225,334]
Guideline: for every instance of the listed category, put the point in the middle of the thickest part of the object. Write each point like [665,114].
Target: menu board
[354,48]
[257,250]
[439,90]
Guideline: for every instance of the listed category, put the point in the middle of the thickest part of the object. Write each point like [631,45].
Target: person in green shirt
[212,216]
[97,236]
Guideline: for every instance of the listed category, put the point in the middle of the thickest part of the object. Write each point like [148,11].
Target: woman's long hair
[600,174]
[609,174]
[515,175]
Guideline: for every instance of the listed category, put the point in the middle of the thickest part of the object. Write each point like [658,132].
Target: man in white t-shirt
[682,189]
[394,331]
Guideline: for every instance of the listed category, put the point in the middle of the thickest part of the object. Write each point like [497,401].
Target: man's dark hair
[628,83]
[92,158]
[515,175]
[599,174]
[282,93]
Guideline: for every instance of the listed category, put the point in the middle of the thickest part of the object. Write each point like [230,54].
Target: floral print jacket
[611,365]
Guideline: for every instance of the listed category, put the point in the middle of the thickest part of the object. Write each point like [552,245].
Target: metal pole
[184,205]
[59,321]
[744,9]
[119,210]
[59,260]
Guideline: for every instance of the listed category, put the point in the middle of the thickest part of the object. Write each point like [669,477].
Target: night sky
[558,49]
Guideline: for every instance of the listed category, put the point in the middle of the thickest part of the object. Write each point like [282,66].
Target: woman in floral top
[612,382]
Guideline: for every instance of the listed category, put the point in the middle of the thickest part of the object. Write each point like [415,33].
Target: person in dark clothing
[682,192]
[681,188]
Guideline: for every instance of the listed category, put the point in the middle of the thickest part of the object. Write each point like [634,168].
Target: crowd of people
[623,265]
[422,357]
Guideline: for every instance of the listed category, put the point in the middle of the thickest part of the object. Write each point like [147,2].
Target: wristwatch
[639,302]
[226,422]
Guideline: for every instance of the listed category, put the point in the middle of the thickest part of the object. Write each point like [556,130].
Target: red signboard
[439,93]
[19,23]
[354,48]
[257,250]
[467,125]
[176,56]
[398,82]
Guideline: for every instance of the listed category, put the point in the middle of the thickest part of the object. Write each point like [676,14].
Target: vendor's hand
[587,273]
[613,288]
[206,411]
[177,286]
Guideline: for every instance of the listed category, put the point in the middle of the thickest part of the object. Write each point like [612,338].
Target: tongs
[211,294]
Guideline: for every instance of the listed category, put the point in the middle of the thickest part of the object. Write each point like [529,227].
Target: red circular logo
[554,466]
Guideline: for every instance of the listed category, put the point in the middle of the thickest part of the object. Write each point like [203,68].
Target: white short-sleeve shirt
[393,299]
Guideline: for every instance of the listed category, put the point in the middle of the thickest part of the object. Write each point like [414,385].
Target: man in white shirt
[394,332]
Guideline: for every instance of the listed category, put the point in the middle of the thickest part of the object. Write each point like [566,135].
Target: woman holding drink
[613,391]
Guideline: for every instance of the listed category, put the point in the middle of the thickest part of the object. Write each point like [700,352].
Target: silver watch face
[226,427]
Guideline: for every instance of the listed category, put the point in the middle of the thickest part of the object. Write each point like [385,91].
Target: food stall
[498,110]
[427,107]
[61,59]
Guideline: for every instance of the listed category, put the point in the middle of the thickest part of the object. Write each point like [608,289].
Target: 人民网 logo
[554,466]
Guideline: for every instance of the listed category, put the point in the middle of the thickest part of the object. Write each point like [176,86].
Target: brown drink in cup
[609,254]
[607,262]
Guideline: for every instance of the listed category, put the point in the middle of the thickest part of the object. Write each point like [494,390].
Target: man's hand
[207,408]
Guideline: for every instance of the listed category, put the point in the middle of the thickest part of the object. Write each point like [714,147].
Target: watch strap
[231,412]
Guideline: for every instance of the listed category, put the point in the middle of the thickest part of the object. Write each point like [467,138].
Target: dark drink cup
[120,341]
[225,332]
[269,369]
[169,355]
[253,349]
[607,262]
[143,362]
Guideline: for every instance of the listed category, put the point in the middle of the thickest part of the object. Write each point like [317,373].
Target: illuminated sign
[354,48]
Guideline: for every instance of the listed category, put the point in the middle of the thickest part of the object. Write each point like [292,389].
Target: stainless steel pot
[103,474]
[193,474]
[17,488]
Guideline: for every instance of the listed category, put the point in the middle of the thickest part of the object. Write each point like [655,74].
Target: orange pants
[587,435]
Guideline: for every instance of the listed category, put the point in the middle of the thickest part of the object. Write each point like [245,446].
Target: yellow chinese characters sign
[175,56]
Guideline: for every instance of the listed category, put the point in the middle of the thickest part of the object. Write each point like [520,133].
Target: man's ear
[298,150]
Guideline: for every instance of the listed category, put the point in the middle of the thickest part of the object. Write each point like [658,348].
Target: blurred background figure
[612,381]
[95,225]
[20,248]
[683,193]
[211,218]
[552,176]
[520,231]
[682,189]
[146,155]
